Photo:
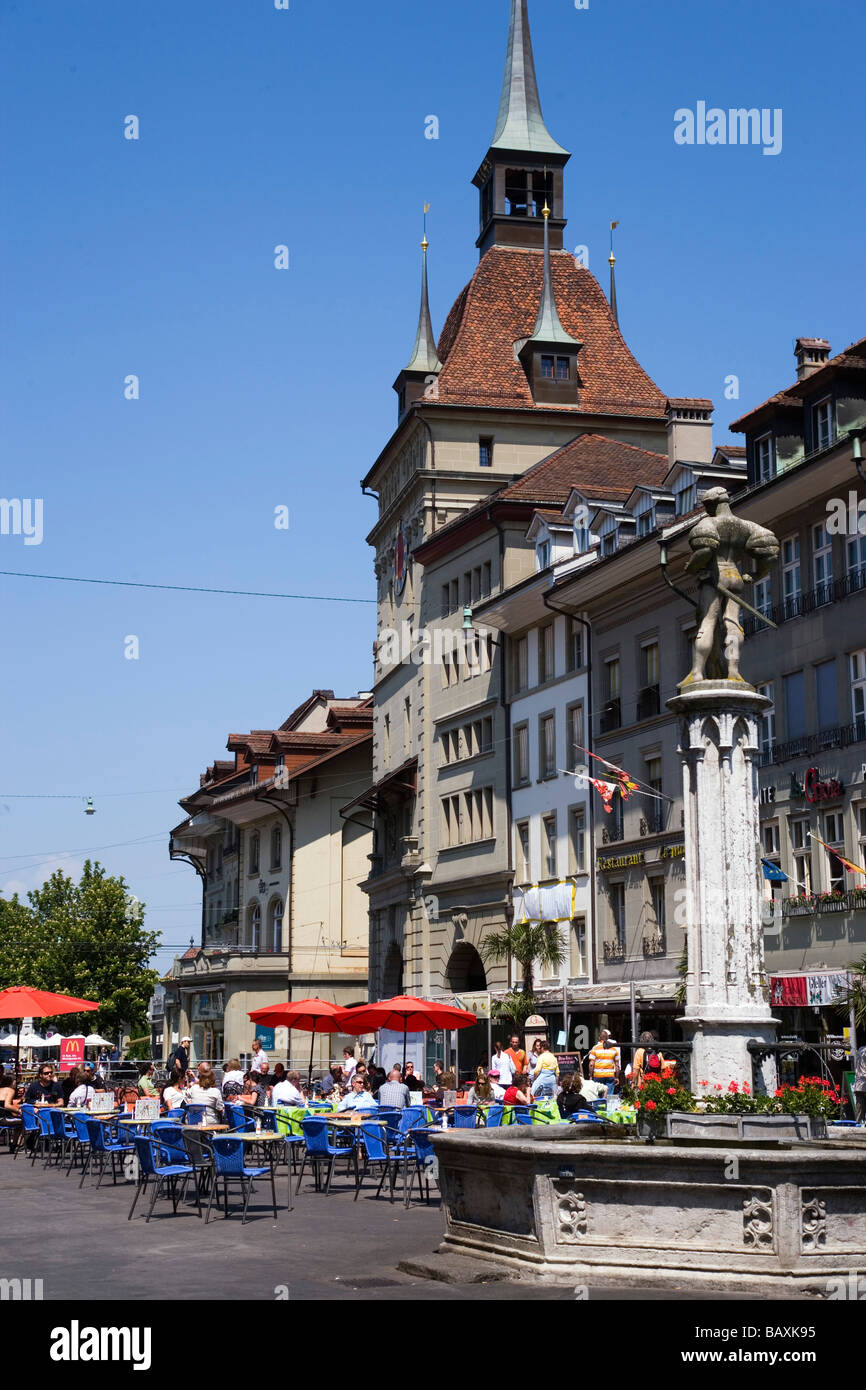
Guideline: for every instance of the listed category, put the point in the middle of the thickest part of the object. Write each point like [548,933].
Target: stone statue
[728,552]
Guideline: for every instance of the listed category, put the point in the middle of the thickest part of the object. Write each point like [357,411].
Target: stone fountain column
[726,995]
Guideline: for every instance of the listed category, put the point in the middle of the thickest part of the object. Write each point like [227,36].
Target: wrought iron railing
[840,736]
[799,605]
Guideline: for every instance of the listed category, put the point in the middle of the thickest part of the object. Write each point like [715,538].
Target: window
[822,564]
[450,821]
[582,535]
[521,755]
[254,852]
[407,724]
[542,554]
[575,736]
[649,700]
[767,724]
[573,645]
[545,654]
[612,827]
[770,838]
[521,663]
[858,690]
[791,576]
[478,814]
[387,727]
[476,584]
[686,493]
[563,371]
[611,714]
[485,579]
[547,367]
[276,925]
[765,458]
[577,841]
[485,451]
[608,540]
[523,869]
[446,603]
[834,835]
[827,697]
[646,521]
[801,858]
[617,913]
[795,706]
[577,942]
[455,596]
[486,734]
[548,845]
[254,919]
[856,553]
[825,424]
[657,900]
[655,812]
[761,596]
[547,745]
[276,847]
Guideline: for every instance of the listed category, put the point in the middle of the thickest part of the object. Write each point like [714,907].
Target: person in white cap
[178,1062]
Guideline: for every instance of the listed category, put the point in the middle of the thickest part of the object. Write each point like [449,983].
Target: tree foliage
[529,943]
[87,939]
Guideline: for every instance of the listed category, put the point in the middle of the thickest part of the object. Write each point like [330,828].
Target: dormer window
[824,424]
[608,543]
[547,367]
[765,458]
[645,516]
[686,493]
[581,533]
[542,551]
[563,369]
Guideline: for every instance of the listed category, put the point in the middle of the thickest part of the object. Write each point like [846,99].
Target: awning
[398,786]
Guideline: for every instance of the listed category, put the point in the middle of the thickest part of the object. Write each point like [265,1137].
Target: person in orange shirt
[604,1061]
[516,1053]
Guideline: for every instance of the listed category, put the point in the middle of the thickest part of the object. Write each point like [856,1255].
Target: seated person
[518,1093]
[11,1096]
[172,1094]
[331,1079]
[446,1092]
[83,1092]
[207,1093]
[571,1099]
[44,1090]
[146,1083]
[233,1079]
[482,1090]
[411,1080]
[254,1092]
[288,1090]
[359,1097]
[494,1079]
[277,1075]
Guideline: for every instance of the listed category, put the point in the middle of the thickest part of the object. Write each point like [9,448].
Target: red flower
[733,1087]
[779,1091]
[746,1087]
[651,1105]
[705,1083]
[718,1086]
[672,1090]
[637,1105]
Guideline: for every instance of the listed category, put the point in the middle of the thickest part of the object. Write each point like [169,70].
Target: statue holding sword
[728,553]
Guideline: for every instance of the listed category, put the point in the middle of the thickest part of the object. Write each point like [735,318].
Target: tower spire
[612,262]
[424,356]
[520,124]
[548,326]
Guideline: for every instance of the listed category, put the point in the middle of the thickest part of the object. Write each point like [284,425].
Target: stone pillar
[726,996]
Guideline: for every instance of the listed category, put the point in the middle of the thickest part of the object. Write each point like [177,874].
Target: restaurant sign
[672,851]
[477,1003]
[71,1053]
[620,861]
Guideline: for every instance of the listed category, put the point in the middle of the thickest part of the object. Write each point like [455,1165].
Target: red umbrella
[407,1014]
[19,1001]
[310,1015]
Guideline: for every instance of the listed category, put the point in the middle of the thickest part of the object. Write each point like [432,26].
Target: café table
[270,1140]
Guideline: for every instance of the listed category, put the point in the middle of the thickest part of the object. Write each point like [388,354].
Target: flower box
[683,1125]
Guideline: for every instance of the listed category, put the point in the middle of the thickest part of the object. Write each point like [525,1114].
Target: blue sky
[262,388]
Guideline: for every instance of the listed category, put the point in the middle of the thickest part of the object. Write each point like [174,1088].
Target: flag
[613,225]
[788,991]
[849,865]
[772,872]
[606,789]
[426,208]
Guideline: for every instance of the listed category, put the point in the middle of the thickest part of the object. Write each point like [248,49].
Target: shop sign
[672,851]
[621,861]
[477,1003]
[816,789]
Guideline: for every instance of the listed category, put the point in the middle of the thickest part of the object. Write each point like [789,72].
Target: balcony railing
[648,702]
[614,951]
[841,736]
[807,601]
[816,903]
[654,946]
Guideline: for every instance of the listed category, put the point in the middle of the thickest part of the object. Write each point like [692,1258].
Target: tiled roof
[499,307]
[591,463]
[258,741]
[690,402]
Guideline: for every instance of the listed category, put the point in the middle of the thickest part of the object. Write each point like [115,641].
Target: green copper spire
[424,356]
[520,124]
[548,328]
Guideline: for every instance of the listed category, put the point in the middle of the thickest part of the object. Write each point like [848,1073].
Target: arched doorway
[465,971]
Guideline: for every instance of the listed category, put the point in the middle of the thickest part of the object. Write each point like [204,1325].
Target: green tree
[855,997]
[529,943]
[86,938]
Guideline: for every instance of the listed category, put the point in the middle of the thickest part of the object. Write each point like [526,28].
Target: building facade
[283,913]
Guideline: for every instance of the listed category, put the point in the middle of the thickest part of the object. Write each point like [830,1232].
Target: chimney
[690,430]
[811,355]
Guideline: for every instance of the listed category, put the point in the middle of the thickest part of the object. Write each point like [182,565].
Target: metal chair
[156,1164]
[319,1149]
[376,1149]
[465,1116]
[105,1145]
[494,1115]
[425,1165]
[230,1165]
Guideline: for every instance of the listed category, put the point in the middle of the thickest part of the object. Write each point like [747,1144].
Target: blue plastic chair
[465,1116]
[375,1148]
[176,1114]
[425,1164]
[194,1114]
[80,1146]
[29,1127]
[155,1163]
[10,1125]
[494,1116]
[104,1144]
[63,1134]
[319,1149]
[230,1166]
[523,1114]
[46,1142]
[170,1136]
[411,1116]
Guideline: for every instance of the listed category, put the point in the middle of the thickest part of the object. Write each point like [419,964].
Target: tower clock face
[400,561]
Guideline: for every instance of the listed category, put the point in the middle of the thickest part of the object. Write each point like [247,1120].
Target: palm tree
[856,995]
[529,943]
